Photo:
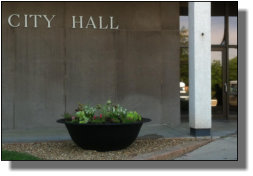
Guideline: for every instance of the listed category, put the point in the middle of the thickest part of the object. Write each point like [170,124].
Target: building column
[200,68]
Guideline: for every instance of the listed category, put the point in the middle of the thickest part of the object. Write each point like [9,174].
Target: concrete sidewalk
[220,128]
[220,149]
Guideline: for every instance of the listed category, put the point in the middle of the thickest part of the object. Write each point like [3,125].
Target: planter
[104,137]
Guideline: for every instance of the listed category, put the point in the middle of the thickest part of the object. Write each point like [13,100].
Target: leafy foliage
[131,116]
[109,113]
[81,116]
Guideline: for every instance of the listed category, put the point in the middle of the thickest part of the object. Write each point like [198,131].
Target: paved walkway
[223,148]
[220,149]
[219,129]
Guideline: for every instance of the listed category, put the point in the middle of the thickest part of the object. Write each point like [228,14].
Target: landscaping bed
[68,150]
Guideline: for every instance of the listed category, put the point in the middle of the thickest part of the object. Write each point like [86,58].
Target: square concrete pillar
[200,68]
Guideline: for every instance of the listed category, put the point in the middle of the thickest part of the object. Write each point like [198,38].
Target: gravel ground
[67,150]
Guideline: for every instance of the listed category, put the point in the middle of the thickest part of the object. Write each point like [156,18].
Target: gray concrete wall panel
[47,71]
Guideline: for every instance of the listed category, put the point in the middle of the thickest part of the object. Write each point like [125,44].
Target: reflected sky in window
[217,29]
[232,30]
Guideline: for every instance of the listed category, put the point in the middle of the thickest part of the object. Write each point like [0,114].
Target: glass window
[216,70]
[233,96]
[217,86]
[232,30]
[184,30]
[220,46]
[184,82]
[217,30]
[184,66]
[184,22]
[232,64]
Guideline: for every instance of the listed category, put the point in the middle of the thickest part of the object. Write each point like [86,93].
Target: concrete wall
[46,71]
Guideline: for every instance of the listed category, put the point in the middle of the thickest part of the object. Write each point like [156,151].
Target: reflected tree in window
[184,55]
[233,69]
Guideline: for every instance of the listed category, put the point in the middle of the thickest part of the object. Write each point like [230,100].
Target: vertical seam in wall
[160,15]
[65,57]
[15,81]
[116,79]
[162,66]
[162,79]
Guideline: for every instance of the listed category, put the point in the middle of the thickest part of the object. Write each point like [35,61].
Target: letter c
[9,20]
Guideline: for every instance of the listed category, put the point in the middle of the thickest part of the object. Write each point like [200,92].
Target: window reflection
[184,81]
[184,66]
[232,64]
[184,22]
[217,30]
[216,72]
[233,96]
[232,30]
[184,30]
